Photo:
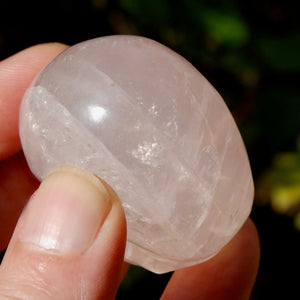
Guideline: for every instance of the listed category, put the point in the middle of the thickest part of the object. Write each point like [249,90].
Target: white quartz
[147,122]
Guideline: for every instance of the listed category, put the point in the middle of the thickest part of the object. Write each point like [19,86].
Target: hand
[69,241]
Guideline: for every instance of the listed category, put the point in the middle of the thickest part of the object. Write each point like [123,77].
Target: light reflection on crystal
[96,113]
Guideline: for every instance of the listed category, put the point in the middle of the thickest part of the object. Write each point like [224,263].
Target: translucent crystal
[147,122]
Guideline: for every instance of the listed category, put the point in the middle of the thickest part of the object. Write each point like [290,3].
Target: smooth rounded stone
[146,121]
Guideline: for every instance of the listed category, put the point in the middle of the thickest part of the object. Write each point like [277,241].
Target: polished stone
[146,121]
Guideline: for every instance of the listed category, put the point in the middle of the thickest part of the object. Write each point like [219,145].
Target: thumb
[69,241]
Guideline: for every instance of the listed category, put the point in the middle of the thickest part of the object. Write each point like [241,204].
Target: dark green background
[249,50]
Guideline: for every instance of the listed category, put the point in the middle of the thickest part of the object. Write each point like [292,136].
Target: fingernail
[66,212]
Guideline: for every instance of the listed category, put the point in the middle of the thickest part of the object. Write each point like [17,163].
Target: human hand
[70,239]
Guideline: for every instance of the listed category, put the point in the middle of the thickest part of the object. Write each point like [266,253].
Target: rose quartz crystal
[147,122]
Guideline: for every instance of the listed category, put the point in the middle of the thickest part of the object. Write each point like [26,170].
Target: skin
[229,275]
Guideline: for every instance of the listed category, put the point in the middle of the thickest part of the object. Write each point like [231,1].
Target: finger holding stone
[229,275]
[69,242]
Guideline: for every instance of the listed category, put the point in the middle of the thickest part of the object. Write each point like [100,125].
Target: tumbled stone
[146,121]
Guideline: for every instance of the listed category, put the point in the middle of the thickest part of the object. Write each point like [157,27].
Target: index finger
[16,74]
[16,181]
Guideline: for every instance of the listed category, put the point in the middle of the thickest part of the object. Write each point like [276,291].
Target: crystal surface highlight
[146,121]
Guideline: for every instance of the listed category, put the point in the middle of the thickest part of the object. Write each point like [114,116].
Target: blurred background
[250,51]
